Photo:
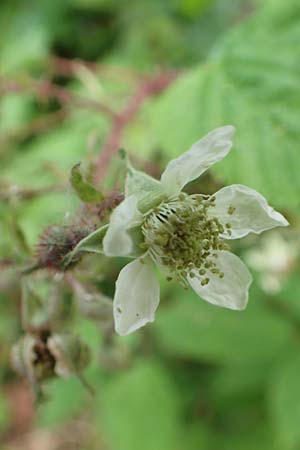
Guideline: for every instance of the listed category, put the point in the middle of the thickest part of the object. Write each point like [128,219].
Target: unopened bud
[70,353]
[56,242]
[31,358]
[43,356]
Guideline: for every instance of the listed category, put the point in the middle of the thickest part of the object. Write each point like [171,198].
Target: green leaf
[65,399]
[191,328]
[15,111]
[37,23]
[248,84]
[257,437]
[85,191]
[49,158]
[139,410]
[284,402]
[195,436]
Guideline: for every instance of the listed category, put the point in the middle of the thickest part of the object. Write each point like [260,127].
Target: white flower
[184,235]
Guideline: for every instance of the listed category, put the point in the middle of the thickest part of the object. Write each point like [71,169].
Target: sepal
[85,191]
[91,244]
[138,183]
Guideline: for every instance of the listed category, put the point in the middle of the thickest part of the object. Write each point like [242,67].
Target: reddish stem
[152,86]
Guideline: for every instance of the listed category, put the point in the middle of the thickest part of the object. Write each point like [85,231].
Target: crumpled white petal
[191,164]
[137,296]
[245,210]
[232,290]
[125,216]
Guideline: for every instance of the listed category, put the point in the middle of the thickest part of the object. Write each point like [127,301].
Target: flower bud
[43,356]
[70,353]
[56,242]
[31,358]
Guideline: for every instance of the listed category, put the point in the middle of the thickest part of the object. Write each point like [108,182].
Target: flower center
[182,239]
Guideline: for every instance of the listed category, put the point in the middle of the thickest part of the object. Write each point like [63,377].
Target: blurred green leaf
[15,109]
[44,211]
[248,84]
[192,8]
[289,294]
[191,328]
[258,437]
[139,409]
[284,402]
[65,398]
[37,23]
[195,436]
[50,156]
[232,383]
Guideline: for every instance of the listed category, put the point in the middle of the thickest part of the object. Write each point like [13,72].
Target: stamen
[181,237]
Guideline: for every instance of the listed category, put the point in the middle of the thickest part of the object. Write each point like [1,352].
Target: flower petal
[232,290]
[137,296]
[125,216]
[246,211]
[191,164]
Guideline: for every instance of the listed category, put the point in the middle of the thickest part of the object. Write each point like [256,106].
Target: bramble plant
[104,216]
[157,223]
[184,235]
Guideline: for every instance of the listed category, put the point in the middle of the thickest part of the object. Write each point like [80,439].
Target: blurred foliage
[199,378]
[250,79]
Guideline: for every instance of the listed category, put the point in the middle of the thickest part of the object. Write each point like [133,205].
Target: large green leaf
[193,329]
[51,156]
[65,398]
[258,437]
[139,410]
[250,81]
[284,402]
[37,23]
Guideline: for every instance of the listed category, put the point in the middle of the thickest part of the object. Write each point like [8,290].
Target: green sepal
[139,183]
[85,191]
[91,244]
